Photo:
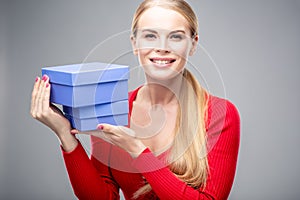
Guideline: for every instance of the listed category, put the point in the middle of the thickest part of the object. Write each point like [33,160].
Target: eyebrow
[178,31]
[154,31]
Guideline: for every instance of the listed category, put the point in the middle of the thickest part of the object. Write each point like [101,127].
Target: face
[163,43]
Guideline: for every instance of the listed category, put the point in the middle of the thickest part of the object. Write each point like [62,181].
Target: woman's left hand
[121,136]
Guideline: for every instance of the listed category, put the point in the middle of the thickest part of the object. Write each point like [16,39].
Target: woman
[185,147]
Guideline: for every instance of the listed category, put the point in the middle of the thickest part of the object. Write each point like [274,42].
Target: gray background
[255,44]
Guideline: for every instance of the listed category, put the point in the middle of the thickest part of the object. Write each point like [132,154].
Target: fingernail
[100,127]
[44,78]
[47,85]
[36,79]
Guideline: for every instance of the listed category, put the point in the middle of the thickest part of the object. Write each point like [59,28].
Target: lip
[162,61]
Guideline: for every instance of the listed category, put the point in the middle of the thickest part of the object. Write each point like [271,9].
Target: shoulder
[132,94]
[131,97]
[220,108]
[223,121]
[217,101]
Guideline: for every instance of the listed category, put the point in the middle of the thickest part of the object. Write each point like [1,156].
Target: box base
[91,123]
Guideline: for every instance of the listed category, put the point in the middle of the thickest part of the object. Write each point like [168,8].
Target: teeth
[161,62]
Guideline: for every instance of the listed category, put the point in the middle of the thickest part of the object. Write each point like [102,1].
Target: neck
[163,92]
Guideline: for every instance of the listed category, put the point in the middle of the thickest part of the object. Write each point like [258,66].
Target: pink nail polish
[44,78]
[47,85]
[73,133]
[36,79]
[100,127]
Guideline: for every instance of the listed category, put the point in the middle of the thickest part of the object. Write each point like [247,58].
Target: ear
[133,44]
[194,45]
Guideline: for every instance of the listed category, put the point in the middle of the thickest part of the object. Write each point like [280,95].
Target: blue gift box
[88,83]
[91,93]
[100,110]
[91,123]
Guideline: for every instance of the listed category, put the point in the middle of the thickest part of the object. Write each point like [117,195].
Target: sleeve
[222,158]
[88,180]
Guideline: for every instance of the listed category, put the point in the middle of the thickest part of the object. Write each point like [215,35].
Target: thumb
[92,132]
[74,131]
[116,130]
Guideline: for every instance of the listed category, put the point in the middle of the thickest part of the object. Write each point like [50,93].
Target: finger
[74,131]
[46,96]
[108,128]
[41,95]
[34,95]
[127,131]
[97,133]
[92,132]
[116,130]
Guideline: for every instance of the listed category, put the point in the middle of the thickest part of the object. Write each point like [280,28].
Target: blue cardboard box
[91,93]
[99,110]
[91,123]
[88,83]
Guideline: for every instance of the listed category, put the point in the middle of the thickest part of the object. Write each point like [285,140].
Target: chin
[161,74]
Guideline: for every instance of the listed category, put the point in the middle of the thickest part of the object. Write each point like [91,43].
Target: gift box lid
[86,73]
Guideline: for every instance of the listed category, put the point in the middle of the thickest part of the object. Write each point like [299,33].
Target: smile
[162,61]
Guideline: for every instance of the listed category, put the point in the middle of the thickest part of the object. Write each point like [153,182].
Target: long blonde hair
[187,157]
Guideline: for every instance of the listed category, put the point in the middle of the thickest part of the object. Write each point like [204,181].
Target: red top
[91,178]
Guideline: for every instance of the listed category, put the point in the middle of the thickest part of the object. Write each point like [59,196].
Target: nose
[162,47]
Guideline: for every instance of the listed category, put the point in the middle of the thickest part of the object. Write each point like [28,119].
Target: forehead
[162,18]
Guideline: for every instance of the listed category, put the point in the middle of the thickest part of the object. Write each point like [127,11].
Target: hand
[50,115]
[121,136]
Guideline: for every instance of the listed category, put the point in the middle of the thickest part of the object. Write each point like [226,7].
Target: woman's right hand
[48,114]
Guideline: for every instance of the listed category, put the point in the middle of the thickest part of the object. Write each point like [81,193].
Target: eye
[176,37]
[150,36]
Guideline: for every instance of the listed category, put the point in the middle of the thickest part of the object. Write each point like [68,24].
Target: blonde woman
[182,142]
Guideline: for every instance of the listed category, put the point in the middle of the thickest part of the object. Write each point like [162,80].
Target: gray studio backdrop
[255,45]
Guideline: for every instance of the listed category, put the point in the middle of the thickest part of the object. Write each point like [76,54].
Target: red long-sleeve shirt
[91,178]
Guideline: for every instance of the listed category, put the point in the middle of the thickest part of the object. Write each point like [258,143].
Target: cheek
[144,44]
[142,53]
[180,49]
